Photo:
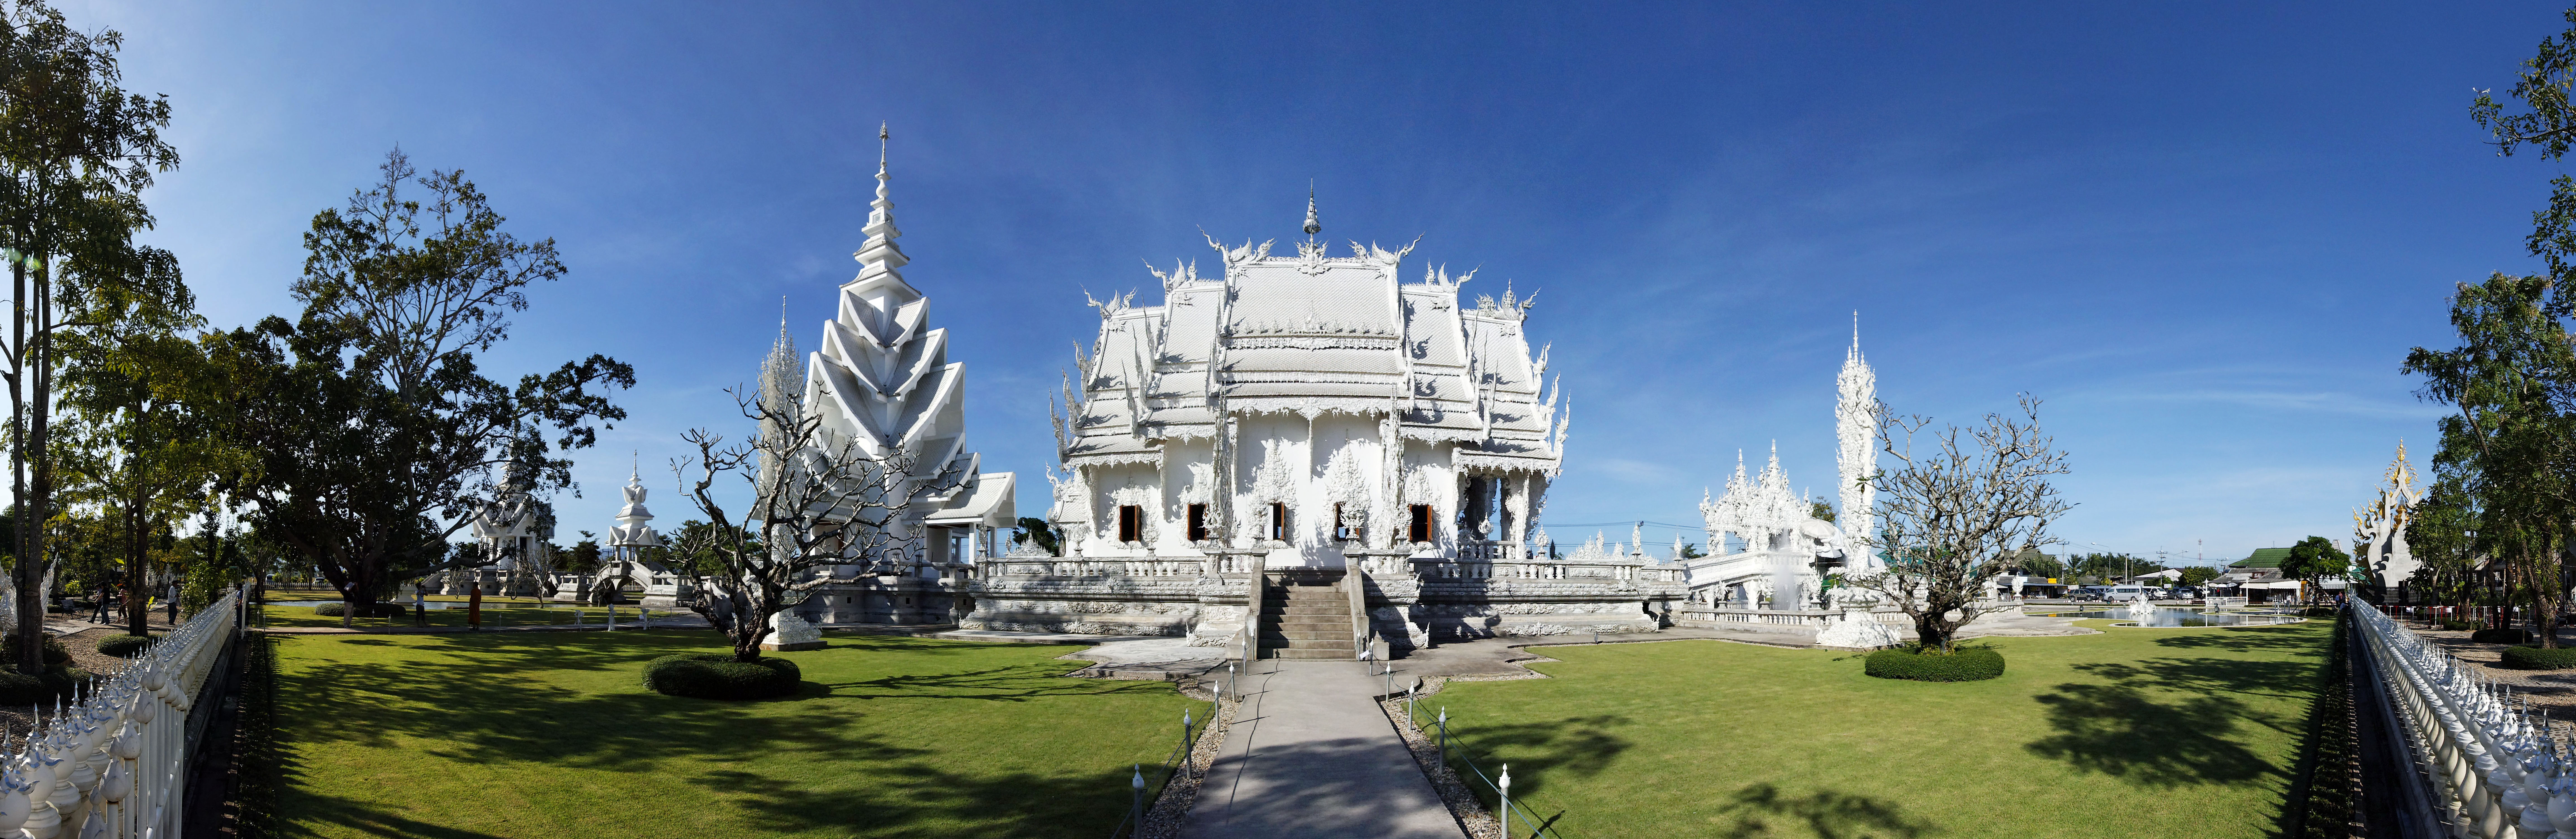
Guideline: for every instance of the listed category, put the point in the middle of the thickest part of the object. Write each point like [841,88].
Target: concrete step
[1344,654]
[1341,636]
[1305,623]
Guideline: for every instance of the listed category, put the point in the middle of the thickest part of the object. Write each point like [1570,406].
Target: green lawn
[550,734]
[496,613]
[2131,733]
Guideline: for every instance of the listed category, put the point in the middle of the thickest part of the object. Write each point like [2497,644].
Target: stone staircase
[1306,616]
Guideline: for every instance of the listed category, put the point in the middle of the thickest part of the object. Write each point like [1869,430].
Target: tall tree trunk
[29,577]
[38,502]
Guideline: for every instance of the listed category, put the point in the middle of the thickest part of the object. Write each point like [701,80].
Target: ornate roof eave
[1154,458]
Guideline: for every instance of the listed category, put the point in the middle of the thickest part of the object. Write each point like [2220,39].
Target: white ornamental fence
[113,762]
[2482,766]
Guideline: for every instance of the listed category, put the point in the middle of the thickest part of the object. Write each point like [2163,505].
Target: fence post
[1444,735]
[1136,813]
[1189,744]
[1506,811]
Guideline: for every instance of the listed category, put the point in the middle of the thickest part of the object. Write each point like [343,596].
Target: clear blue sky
[2206,235]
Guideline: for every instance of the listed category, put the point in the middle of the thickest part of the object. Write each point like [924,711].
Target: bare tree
[1951,517]
[817,501]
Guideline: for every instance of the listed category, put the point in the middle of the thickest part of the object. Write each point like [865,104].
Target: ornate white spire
[1312,226]
[880,256]
[1856,458]
[631,530]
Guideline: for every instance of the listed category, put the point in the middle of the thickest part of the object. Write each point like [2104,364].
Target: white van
[2125,593]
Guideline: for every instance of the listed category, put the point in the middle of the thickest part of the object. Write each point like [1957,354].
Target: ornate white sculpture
[2379,530]
[1856,455]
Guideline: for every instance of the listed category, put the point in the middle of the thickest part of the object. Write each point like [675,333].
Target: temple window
[1198,523]
[1278,522]
[1341,526]
[1131,523]
[1421,529]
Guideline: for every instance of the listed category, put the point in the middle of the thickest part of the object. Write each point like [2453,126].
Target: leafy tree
[1039,531]
[2511,448]
[585,555]
[2443,536]
[376,431]
[1821,511]
[2030,562]
[76,153]
[2314,558]
[1692,552]
[1951,514]
[2198,575]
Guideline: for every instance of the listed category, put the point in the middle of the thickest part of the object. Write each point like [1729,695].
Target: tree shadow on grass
[1538,751]
[2121,731]
[2302,640]
[1829,814]
[476,701]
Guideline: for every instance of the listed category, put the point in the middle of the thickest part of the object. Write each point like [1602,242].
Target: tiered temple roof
[1310,335]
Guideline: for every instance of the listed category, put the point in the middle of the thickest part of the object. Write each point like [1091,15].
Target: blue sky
[2205,234]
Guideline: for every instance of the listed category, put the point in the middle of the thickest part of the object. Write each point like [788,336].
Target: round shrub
[122,646]
[2535,658]
[1961,664]
[718,676]
[2513,635]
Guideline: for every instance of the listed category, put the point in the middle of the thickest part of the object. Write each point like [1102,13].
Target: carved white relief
[1200,485]
[1346,484]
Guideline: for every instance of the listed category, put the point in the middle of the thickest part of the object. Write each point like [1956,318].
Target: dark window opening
[1278,522]
[1131,523]
[1341,526]
[1198,523]
[1421,529]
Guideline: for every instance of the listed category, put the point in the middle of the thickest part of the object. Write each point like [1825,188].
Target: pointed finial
[882,135]
[1312,226]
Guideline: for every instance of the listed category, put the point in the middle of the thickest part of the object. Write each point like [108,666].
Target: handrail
[2491,770]
[1363,631]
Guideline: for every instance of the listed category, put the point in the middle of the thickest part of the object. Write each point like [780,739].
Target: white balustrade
[2495,773]
[112,762]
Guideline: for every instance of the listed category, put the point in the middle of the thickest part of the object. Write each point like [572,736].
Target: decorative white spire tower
[881,382]
[1856,456]
[632,535]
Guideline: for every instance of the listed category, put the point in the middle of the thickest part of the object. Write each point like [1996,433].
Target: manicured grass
[2172,732]
[552,734]
[495,613]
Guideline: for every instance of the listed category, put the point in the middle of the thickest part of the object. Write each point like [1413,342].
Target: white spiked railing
[2494,772]
[113,762]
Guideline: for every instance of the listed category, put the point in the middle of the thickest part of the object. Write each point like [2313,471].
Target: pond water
[2185,617]
[433,605]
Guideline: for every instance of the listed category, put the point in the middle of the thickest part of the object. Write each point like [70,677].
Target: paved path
[1310,755]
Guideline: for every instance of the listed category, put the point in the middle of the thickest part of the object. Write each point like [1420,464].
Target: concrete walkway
[1311,755]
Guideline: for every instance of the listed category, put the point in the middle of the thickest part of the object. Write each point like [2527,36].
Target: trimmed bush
[1961,664]
[55,654]
[383,610]
[2535,658]
[2515,635]
[2458,625]
[718,676]
[122,646]
[21,689]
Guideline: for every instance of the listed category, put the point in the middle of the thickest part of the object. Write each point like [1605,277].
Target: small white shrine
[511,529]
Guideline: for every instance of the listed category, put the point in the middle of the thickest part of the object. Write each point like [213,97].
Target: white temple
[882,383]
[1313,420]
[1766,545]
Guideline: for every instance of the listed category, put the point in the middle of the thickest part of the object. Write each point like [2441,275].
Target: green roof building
[2262,558]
